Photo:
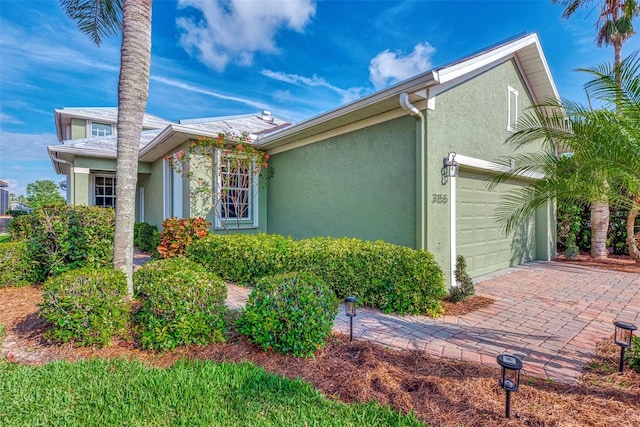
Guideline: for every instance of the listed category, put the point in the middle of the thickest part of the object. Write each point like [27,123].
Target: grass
[5,238]
[121,392]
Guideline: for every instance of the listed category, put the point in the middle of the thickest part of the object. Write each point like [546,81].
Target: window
[100,129]
[172,190]
[512,109]
[104,191]
[235,189]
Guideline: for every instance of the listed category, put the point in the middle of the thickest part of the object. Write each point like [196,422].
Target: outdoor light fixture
[624,334]
[350,309]
[449,167]
[509,377]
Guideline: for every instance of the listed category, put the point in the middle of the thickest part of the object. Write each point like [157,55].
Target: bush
[390,277]
[242,258]
[86,306]
[63,238]
[291,313]
[16,268]
[464,285]
[20,227]
[633,354]
[179,234]
[182,303]
[146,237]
[16,212]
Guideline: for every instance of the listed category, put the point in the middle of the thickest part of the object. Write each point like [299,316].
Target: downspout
[421,175]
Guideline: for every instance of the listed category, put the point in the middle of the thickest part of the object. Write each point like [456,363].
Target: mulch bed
[441,392]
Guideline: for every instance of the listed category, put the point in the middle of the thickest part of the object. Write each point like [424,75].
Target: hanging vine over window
[223,175]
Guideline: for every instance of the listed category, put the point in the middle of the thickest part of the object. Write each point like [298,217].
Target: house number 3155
[439,198]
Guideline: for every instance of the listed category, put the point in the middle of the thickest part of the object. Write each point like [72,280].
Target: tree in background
[43,193]
[99,18]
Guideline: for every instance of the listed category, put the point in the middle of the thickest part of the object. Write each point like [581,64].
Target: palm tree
[615,20]
[597,164]
[99,18]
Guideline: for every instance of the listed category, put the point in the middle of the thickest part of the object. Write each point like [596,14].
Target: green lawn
[191,393]
[5,238]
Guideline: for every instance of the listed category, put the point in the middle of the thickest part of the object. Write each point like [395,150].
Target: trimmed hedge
[182,303]
[291,313]
[86,305]
[147,238]
[390,277]
[16,268]
[63,238]
[242,258]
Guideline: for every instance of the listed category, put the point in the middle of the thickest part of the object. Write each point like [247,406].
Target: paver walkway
[550,315]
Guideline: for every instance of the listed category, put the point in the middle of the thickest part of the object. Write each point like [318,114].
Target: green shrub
[182,303]
[63,238]
[291,313]
[16,268]
[632,356]
[390,277]
[242,258]
[464,287]
[86,306]
[147,238]
[16,212]
[20,227]
[179,234]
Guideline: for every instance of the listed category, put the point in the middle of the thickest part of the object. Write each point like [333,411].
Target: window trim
[93,189]
[90,124]
[512,97]
[253,197]
[172,196]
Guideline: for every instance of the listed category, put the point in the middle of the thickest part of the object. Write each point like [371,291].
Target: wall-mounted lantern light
[509,377]
[449,167]
[623,337]
[350,309]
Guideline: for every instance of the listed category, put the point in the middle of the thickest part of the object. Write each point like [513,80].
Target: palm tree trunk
[631,231]
[599,228]
[133,90]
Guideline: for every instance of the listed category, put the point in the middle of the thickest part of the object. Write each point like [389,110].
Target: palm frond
[96,18]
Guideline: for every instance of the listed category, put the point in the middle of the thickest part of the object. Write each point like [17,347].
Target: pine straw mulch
[613,262]
[441,392]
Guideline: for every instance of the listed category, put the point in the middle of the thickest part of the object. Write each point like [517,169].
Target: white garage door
[479,238]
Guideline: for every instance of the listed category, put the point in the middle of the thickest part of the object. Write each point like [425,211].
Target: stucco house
[371,169]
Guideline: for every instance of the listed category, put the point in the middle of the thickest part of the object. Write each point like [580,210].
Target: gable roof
[109,115]
[525,49]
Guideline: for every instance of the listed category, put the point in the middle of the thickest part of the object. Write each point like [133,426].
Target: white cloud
[233,30]
[6,118]
[17,147]
[390,67]
[191,88]
[346,95]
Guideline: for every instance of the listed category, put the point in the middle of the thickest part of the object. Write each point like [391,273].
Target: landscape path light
[509,377]
[350,309]
[623,337]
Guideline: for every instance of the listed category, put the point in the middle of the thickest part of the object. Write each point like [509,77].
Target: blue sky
[296,58]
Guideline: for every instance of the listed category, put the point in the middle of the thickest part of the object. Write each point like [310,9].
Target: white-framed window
[104,190]
[172,186]
[512,109]
[236,187]
[100,129]
[141,204]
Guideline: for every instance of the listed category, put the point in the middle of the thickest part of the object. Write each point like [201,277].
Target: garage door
[479,238]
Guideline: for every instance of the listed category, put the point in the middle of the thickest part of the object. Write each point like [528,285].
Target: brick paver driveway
[551,315]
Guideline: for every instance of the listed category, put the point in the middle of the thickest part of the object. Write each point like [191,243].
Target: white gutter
[421,174]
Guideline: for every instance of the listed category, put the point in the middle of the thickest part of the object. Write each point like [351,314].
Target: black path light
[624,334]
[350,309]
[509,377]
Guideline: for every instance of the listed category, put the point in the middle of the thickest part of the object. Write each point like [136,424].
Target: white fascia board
[81,151]
[495,55]
[487,166]
[168,132]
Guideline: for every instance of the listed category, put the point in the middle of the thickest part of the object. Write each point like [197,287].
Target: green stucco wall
[360,184]
[78,129]
[469,119]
